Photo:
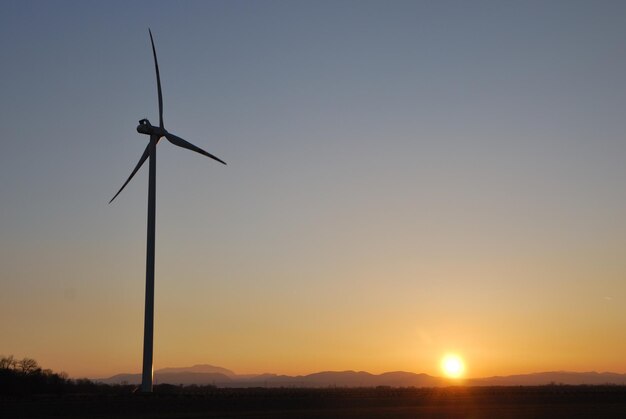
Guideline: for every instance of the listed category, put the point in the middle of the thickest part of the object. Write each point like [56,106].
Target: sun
[452,366]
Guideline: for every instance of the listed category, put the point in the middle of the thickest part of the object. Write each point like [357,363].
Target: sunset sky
[405,179]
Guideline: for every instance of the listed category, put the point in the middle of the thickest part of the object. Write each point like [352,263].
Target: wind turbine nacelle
[145,127]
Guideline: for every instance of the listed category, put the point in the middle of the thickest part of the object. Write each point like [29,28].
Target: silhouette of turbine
[155,133]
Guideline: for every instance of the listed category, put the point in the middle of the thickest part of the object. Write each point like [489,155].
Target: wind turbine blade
[143,158]
[156,65]
[184,144]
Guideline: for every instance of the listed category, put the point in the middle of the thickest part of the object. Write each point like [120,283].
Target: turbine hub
[145,127]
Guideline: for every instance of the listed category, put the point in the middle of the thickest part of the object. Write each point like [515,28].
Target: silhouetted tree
[28,366]
[8,362]
[27,377]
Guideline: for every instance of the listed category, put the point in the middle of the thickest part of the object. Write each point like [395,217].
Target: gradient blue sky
[404,179]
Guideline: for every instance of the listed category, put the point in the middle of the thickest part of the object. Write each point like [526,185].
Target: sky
[404,180]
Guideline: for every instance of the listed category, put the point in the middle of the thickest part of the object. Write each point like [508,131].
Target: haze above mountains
[222,377]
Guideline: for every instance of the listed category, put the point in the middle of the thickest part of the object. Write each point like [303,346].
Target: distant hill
[555,377]
[198,374]
[170,378]
[201,368]
[365,379]
[222,377]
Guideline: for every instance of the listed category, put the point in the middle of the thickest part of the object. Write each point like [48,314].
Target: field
[454,402]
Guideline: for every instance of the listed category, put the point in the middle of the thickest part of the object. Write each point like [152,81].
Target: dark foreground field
[453,402]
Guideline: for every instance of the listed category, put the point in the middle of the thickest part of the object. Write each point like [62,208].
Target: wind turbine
[155,133]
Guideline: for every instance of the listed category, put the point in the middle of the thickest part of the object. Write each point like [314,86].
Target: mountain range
[222,377]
